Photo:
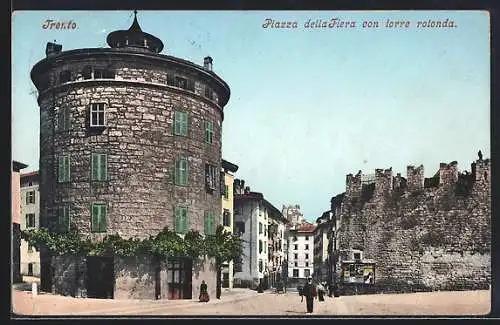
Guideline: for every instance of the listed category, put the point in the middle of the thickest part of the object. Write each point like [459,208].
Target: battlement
[448,175]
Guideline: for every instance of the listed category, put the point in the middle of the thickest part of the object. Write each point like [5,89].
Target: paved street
[246,302]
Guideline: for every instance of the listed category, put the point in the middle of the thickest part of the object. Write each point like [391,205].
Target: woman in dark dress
[204,292]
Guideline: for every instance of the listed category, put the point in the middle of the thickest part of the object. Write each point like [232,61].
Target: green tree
[223,247]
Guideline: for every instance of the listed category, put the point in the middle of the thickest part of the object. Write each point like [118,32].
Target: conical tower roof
[134,37]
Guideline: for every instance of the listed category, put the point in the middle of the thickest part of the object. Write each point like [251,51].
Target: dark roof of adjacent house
[30,174]
[228,166]
[17,166]
[275,213]
[306,228]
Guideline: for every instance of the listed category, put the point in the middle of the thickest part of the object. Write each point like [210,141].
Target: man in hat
[309,292]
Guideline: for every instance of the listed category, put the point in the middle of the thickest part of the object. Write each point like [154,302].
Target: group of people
[311,292]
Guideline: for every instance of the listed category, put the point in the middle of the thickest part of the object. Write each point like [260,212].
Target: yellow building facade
[228,169]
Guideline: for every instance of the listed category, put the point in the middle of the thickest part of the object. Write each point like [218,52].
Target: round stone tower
[130,139]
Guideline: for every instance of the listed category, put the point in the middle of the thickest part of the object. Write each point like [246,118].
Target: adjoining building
[30,219]
[322,257]
[276,248]
[227,177]
[252,216]
[301,253]
[15,211]
[293,214]
[130,143]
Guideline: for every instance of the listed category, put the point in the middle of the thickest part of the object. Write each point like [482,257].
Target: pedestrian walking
[321,291]
[309,292]
[204,297]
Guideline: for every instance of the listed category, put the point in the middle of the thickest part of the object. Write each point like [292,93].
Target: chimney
[247,189]
[207,63]
[52,49]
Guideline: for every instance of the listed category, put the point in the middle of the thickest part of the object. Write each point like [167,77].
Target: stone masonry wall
[135,278]
[432,239]
[141,149]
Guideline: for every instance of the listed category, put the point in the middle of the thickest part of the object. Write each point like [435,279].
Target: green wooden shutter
[95,217]
[103,167]
[184,164]
[103,218]
[177,123]
[177,220]
[60,119]
[184,126]
[207,224]
[95,167]
[68,168]
[60,169]
[184,220]
[66,120]
[177,170]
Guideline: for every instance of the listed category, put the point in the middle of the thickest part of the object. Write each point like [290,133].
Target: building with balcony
[130,144]
[30,219]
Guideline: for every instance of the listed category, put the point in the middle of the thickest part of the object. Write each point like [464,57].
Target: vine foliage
[222,245]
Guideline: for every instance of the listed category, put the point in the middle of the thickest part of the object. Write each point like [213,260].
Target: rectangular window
[210,177]
[170,80]
[181,123]
[307,246]
[240,227]
[209,132]
[63,119]
[307,237]
[209,93]
[181,220]
[99,167]
[261,266]
[30,220]
[296,264]
[99,217]
[181,171]
[226,218]
[97,115]
[307,264]
[210,225]
[295,273]
[307,256]
[226,192]
[63,218]
[260,228]
[63,175]
[295,247]
[30,197]
[64,76]
[307,273]
[190,85]
[180,82]
[295,256]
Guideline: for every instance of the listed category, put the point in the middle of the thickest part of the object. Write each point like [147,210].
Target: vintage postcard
[251,163]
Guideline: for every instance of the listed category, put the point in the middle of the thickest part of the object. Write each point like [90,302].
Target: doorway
[100,277]
[179,273]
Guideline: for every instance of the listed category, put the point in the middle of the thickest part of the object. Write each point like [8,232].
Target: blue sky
[307,106]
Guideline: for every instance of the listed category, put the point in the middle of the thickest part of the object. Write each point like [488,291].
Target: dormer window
[180,82]
[64,76]
[87,72]
[209,93]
